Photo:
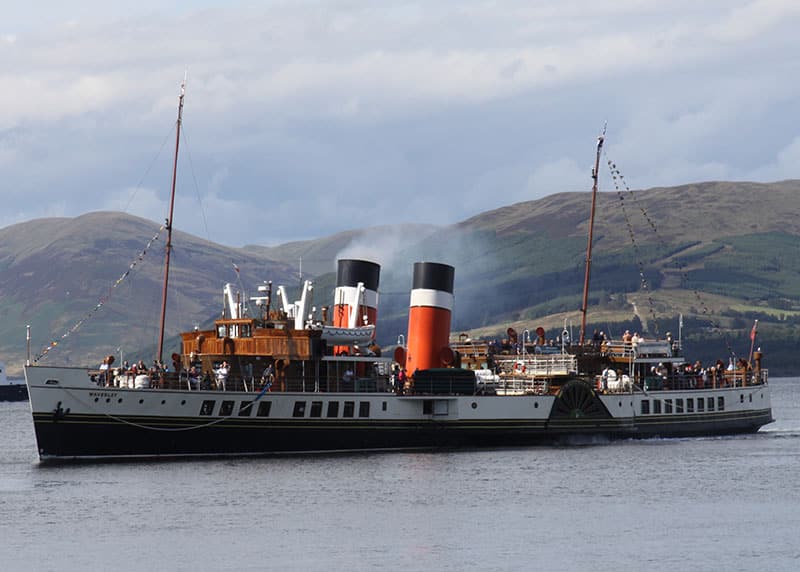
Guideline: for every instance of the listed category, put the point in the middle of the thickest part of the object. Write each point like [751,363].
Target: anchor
[59,413]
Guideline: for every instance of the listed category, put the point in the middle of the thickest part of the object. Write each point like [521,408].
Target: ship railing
[712,380]
[644,348]
[471,349]
[521,386]
[377,384]
[542,365]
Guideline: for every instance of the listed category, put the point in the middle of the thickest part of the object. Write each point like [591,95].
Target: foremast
[169,222]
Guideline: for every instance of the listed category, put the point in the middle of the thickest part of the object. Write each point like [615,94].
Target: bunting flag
[103,299]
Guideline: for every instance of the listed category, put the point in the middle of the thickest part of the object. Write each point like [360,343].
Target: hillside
[55,272]
[720,253]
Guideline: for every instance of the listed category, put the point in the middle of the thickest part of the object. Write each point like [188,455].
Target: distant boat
[11,389]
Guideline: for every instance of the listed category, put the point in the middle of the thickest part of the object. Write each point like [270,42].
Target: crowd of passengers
[690,376]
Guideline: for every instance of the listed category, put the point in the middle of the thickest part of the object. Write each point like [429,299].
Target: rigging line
[194,179]
[147,171]
[175,303]
[640,262]
[103,299]
[203,211]
[678,265]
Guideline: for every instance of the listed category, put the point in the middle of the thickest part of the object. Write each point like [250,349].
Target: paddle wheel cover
[577,400]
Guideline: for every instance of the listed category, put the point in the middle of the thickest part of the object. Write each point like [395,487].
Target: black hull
[14,392]
[101,437]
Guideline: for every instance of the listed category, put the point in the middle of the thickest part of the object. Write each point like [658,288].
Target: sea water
[729,503]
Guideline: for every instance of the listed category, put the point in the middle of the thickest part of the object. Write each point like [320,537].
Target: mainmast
[595,175]
[169,221]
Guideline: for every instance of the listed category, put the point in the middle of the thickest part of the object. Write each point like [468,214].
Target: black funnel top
[433,276]
[351,272]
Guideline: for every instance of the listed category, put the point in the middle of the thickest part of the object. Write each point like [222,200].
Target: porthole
[163,401]
[474,405]
[536,405]
[119,400]
[183,402]
[96,399]
[141,401]
[620,404]
[108,400]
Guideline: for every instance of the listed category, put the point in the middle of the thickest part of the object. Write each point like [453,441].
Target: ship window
[679,406]
[245,408]
[710,404]
[333,409]
[245,331]
[690,405]
[226,408]
[427,407]
[299,409]
[720,403]
[645,406]
[383,406]
[701,404]
[349,408]
[316,409]
[741,398]
[667,406]
[656,406]
[363,408]
[207,407]
[751,398]
[263,409]
[222,331]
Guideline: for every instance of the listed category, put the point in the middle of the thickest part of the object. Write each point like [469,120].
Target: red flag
[754,331]
[235,267]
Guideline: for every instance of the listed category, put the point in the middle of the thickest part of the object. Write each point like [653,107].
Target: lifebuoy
[519,367]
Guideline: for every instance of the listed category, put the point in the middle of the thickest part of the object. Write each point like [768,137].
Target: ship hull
[74,421]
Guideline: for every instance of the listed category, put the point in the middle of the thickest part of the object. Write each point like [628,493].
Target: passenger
[194,378]
[605,378]
[268,377]
[103,380]
[395,377]
[671,344]
[348,375]
[222,375]
[402,378]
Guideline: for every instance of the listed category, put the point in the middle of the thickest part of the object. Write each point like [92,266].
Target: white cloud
[753,19]
[335,115]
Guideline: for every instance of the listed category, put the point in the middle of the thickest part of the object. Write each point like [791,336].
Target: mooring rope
[172,429]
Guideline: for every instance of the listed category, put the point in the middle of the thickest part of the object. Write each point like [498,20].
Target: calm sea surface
[680,504]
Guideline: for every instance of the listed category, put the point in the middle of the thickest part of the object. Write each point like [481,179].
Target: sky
[303,119]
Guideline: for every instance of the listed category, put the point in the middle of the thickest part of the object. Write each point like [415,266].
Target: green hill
[722,254]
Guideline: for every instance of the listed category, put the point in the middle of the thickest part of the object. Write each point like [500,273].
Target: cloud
[305,119]
[753,19]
